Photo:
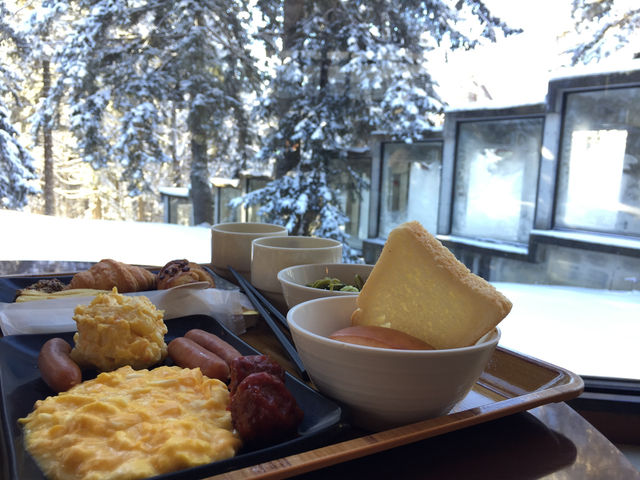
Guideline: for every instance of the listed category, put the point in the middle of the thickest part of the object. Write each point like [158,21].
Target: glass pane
[598,181]
[252,211]
[228,214]
[496,179]
[355,206]
[411,175]
[180,211]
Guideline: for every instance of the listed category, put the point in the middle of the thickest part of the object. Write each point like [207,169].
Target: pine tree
[604,28]
[43,20]
[348,69]
[129,72]
[17,170]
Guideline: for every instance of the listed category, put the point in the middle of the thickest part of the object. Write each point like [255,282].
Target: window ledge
[588,241]
[615,244]
[495,247]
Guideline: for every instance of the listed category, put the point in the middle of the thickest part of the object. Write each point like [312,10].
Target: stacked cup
[258,251]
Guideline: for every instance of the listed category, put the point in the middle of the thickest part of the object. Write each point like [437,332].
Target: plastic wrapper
[56,315]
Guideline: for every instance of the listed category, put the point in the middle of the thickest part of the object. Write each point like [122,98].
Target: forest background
[102,102]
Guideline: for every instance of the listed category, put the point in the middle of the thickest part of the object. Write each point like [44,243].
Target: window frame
[435,142]
[374,237]
[609,395]
[365,159]
[545,229]
[453,120]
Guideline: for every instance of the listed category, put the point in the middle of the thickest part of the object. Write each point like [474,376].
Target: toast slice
[418,286]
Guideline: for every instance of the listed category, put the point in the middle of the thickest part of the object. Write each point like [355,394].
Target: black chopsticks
[264,308]
[267,304]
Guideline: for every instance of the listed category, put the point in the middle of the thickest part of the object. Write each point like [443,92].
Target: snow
[516,70]
[33,237]
[587,331]
[569,328]
[182,192]
[611,241]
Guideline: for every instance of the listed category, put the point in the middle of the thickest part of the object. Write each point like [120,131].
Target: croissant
[180,272]
[108,273]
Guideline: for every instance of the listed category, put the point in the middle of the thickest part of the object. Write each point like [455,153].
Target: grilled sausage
[56,367]
[214,344]
[188,354]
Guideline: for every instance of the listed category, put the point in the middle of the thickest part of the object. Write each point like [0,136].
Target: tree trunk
[201,193]
[175,160]
[201,189]
[293,13]
[49,175]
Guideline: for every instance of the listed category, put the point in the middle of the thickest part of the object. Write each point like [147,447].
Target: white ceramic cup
[272,254]
[231,245]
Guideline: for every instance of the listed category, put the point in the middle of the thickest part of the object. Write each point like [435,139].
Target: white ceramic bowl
[382,388]
[294,280]
[272,254]
[231,245]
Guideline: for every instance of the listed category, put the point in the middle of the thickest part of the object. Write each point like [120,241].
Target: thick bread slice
[418,286]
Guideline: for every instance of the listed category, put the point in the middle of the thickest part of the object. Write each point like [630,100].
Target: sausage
[380,337]
[214,344]
[188,354]
[56,367]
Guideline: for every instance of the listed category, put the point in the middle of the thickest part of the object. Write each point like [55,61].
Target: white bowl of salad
[301,283]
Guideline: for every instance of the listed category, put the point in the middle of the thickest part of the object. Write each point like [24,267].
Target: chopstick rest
[268,305]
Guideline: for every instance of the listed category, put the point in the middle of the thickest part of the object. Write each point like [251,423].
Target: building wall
[545,254]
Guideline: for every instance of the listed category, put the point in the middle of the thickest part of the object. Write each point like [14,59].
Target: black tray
[21,386]
[10,285]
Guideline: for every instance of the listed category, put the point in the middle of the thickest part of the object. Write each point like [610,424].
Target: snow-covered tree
[42,29]
[130,71]
[16,165]
[604,28]
[17,170]
[348,69]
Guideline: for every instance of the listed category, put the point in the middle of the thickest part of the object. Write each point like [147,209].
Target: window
[177,205]
[227,213]
[599,176]
[496,174]
[251,185]
[225,190]
[180,211]
[411,176]
[356,206]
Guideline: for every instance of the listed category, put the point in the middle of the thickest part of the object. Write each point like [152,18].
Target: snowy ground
[590,332]
[41,237]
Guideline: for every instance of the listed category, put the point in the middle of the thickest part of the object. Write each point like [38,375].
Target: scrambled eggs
[129,424]
[116,330]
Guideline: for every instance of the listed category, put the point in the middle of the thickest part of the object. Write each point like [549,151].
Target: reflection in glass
[354,204]
[227,213]
[180,211]
[496,177]
[411,176]
[599,176]
[253,184]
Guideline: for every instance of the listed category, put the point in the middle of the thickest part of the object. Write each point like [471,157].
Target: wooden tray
[511,383]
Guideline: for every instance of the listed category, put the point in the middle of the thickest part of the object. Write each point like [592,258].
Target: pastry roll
[109,273]
[180,272]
